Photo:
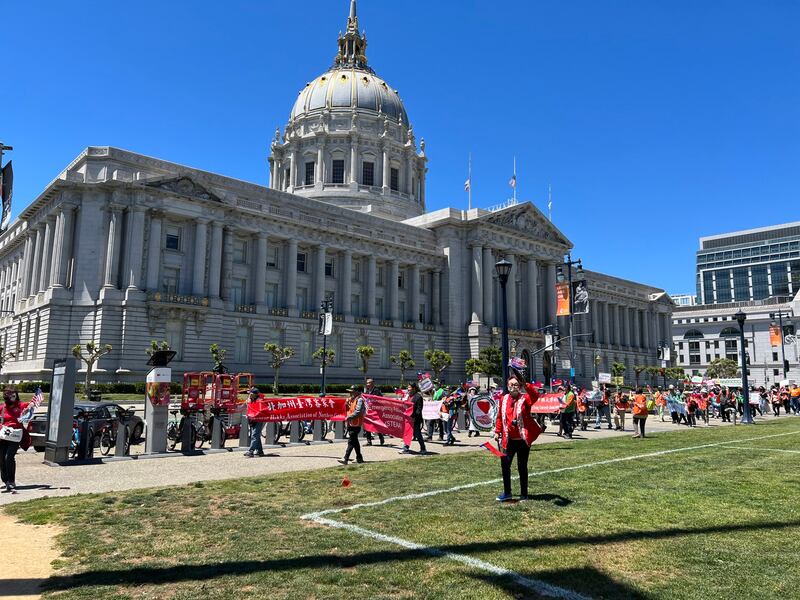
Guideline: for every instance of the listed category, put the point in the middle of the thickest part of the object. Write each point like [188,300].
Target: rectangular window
[288,180]
[379,307]
[379,276]
[774,357]
[421,313]
[301,262]
[242,348]
[329,268]
[775,372]
[355,304]
[422,280]
[401,310]
[694,359]
[357,271]
[272,295]
[337,171]
[305,348]
[302,299]
[708,287]
[170,280]
[394,177]
[760,282]
[368,173]
[173,335]
[723,284]
[780,279]
[708,358]
[273,257]
[239,291]
[741,284]
[401,279]
[173,239]
[240,251]
[309,179]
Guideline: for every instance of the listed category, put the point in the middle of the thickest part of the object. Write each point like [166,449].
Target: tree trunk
[275,382]
[88,378]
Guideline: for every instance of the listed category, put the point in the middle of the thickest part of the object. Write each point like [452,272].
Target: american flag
[37,399]
[513,181]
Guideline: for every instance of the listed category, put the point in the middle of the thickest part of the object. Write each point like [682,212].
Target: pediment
[528,221]
[184,186]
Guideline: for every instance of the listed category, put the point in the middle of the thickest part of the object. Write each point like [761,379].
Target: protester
[620,408]
[256,448]
[515,430]
[661,402]
[603,409]
[355,418]
[567,412]
[370,389]
[447,411]
[639,413]
[416,397]
[13,435]
[472,430]
[794,403]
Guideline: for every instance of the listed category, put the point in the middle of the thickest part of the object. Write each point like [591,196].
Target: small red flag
[346,482]
[488,446]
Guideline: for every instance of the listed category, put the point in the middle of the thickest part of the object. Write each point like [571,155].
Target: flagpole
[469,178]
[515,180]
[550,202]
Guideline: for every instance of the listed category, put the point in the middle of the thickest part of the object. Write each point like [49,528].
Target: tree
[322,355]
[280,354]
[365,353]
[157,347]
[6,356]
[722,368]
[438,360]
[404,362]
[638,370]
[489,362]
[617,369]
[218,356]
[92,355]
[675,373]
[654,372]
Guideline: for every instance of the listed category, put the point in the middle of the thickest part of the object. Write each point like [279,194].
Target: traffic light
[786,366]
[660,353]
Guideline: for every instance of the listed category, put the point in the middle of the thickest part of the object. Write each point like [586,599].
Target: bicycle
[175,429]
[105,439]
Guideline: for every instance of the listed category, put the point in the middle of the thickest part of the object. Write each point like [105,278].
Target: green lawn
[720,522]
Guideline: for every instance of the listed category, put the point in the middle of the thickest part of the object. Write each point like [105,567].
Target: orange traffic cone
[346,482]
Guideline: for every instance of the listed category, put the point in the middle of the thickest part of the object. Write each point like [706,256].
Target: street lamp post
[569,262]
[503,268]
[325,328]
[747,417]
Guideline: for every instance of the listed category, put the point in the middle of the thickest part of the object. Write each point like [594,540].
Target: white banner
[604,377]
[430,410]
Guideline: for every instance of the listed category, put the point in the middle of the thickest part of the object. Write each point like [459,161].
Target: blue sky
[655,122]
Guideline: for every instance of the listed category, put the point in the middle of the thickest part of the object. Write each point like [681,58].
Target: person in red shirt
[515,430]
[10,415]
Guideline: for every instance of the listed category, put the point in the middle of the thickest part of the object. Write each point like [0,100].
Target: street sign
[548,340]
[604,377]
[566,364]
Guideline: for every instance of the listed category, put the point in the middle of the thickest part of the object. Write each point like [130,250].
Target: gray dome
[350,87]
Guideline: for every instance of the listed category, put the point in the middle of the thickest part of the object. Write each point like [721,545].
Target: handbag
[9,434]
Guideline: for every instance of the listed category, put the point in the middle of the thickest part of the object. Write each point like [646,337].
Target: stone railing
[245,308]
[362,320]
[409,325]
[177,299]
[429,327]
[387,323]
[338,318]
[308,314]
[278,312]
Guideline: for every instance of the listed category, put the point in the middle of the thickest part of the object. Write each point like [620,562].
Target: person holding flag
[13,434]
[515,430]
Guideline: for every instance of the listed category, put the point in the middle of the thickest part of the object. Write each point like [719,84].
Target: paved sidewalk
[37,480]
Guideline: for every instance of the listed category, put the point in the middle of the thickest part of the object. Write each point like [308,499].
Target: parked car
[99,414]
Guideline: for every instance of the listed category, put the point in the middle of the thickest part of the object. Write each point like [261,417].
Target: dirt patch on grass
[30,563]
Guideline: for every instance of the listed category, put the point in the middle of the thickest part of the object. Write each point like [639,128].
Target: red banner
[547,403]
[390,417]
[775,338]
[271,410]
[562,299]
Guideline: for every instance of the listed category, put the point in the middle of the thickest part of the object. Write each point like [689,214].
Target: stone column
[135,247]
[626,322]
[414,292]
[533,294]
[408,173]
[260,291]
[319,277]
[347,283]
[391,287]
[646,330]
[606,323]
[617,325]
[319,176]
[550,293]
[354,162]
[273,184]
[511,292]
[36,262]
[637,332]
[27,261]
[290,295]
[292,171]
[55,254]
[47,247]
[386,166]
[436,295]
[477,283]
[65,246]
[369,293]
[488,288]
[114,239]
[215,261]
[227,262]
[199,272]
[154,252]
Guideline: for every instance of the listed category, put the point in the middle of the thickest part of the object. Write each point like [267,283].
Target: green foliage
[438,360]
[6,356]
[722,368]
[489,362]
[675,373]
[365,353]
[217,355]
[280,354]
[90,354]
[156,347]
[404,362]
[329,355]
[618,369]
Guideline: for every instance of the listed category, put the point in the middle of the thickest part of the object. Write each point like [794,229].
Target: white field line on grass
[540,587]
[764,449]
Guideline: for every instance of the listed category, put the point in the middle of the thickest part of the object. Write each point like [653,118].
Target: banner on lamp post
[580,298]
[562,299]
[775,338]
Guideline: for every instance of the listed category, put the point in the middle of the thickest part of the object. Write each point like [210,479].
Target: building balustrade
[279,312]
[245,308]
[177,299]
[362,320]
[387,323]
[308,314]
[409,325]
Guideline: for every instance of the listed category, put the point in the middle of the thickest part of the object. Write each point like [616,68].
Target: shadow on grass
[554,498]
[205,571]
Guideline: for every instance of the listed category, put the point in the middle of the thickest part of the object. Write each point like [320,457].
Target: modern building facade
[704,333]
[122,249]
[754,264]
[684,299]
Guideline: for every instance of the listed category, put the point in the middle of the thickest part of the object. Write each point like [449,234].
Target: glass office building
[749,265]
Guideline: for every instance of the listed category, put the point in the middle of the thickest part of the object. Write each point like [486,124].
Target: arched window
[729,332]
[693,334]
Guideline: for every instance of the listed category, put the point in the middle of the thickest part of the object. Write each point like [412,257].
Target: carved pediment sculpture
[184,186]
[525,220]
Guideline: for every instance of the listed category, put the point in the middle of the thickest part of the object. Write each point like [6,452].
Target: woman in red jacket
[516,429]
[10,414]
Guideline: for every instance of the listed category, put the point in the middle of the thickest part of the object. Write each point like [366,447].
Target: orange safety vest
[351,408]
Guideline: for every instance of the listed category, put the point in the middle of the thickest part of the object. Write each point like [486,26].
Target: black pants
[567,423]
[8,461]
[522,451]
[639,421]
[368,436]
[353,443]
[418,435]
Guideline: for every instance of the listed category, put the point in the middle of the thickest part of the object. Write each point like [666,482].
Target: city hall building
[123,249]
